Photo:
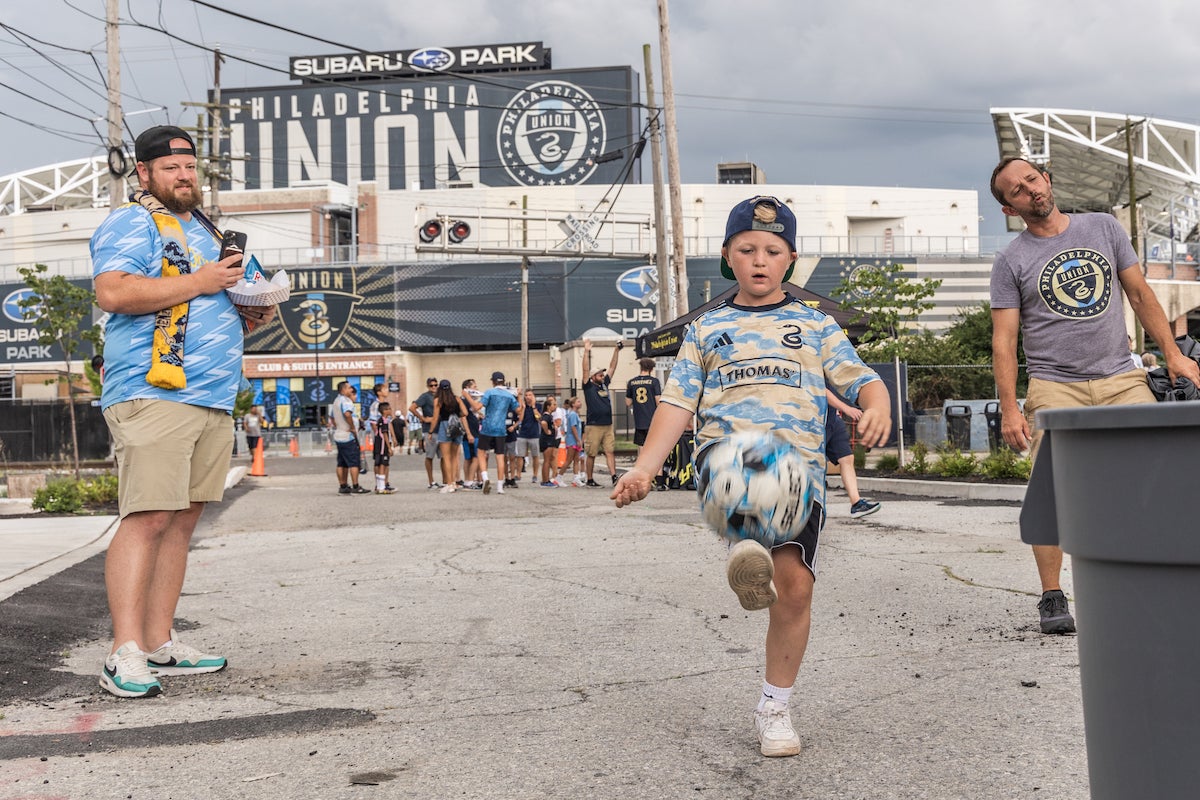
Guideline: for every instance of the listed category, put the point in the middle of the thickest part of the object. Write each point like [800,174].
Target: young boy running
[760,363]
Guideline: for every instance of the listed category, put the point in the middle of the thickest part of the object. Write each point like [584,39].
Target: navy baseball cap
[156,142]
[761,213]
[498,377]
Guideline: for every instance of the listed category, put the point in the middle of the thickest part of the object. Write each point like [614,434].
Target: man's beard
[168,193]
[1041,212]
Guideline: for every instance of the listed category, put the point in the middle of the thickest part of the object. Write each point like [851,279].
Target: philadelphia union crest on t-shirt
[1077,283]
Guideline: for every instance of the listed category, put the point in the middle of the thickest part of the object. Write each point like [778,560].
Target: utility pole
[112,43]
[662,264]
[214,140]
[1133,215]
[678,257]
[524,295]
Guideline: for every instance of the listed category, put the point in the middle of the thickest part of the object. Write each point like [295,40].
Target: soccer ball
[754,486]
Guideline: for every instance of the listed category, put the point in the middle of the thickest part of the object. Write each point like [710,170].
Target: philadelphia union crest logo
[550,134]
[1077,283]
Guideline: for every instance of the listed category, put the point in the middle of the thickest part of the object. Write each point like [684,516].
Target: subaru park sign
[391,63]
[436,130]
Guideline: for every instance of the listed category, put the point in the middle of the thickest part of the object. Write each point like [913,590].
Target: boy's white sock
[483,476]
[380,483]
[776,694]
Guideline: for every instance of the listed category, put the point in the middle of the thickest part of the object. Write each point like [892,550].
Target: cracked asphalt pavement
[544,644]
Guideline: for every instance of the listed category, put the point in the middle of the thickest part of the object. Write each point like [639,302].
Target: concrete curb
[950,489]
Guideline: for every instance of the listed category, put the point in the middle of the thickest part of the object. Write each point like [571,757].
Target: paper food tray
[271,297]
[255,290]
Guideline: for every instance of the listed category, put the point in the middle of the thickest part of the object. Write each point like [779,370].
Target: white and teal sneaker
[126,674]
[179,659]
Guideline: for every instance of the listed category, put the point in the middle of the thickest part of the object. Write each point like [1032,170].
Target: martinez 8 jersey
[765,368]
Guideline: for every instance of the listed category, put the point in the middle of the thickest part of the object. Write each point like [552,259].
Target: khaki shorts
[599,439]
[1127,388]
[169,454]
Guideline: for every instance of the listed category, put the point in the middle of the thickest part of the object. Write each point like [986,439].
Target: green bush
[99,491]
[860,456]
[920,459]
[952,463]
[888,463]
[1004,463]
[59,497]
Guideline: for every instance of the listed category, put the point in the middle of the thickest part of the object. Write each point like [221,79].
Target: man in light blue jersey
[173,362]
[496,403]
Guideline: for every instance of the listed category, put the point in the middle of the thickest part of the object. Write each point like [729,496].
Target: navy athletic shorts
[837,438]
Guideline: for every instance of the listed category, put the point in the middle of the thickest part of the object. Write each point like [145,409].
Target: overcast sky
[840,92]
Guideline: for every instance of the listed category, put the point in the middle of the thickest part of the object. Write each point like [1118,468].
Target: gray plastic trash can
[958,426]
[1112,486]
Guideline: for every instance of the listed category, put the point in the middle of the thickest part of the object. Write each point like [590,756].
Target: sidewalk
[543,644]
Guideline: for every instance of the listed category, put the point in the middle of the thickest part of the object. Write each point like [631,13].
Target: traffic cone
[328,444]
[257,468]
[294,447]
[368,444]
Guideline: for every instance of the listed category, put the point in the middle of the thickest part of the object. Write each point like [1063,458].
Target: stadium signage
[423,60]
[433,131]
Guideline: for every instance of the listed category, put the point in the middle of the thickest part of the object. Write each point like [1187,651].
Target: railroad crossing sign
[581,233]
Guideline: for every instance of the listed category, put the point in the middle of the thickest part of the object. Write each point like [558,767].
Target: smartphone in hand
[232,242]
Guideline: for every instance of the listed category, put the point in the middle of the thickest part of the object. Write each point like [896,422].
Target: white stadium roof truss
[69,184]
[1085,152]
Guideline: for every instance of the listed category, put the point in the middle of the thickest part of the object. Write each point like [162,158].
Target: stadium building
[436,209]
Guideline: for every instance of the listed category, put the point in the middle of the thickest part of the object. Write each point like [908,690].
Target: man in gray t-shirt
[1060,284]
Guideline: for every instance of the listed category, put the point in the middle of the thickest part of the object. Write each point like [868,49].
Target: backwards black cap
[156,142]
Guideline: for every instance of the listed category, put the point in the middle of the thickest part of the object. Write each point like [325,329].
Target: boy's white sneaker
[776,736]
[750,570]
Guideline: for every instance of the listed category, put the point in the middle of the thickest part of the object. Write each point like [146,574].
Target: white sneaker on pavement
[776,736]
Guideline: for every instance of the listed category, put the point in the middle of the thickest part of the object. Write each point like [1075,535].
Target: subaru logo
[639,284]
[13,310]
[432,58]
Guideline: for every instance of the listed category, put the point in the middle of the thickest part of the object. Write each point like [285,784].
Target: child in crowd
[573,439]
[383,446]
[760,362]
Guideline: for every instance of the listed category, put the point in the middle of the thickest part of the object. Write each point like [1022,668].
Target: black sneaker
[863,507]
[591,482]
[344,489]
[356,489]
[1055,613]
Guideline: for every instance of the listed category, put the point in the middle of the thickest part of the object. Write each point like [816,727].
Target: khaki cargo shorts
[1126,388]
[599,439]
[169,454]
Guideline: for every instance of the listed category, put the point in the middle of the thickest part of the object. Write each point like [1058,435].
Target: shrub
[100,490]
[952,463]
[920,459]
[59,497]
[1004,463]
[860,456]
[888,463]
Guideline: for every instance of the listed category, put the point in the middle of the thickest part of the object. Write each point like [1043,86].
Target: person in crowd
[497,403]
[450,422]
[548,441]
[422,407]
[529,431]
[641,395]
[598,434]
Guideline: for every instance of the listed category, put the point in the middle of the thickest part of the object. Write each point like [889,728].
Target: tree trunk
[71,411]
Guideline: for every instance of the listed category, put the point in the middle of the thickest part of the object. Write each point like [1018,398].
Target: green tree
[59,308]
[888,303]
